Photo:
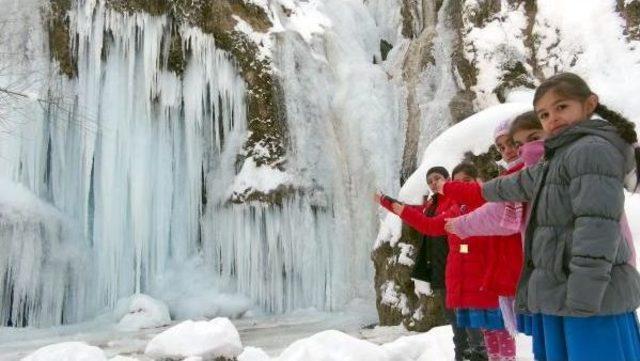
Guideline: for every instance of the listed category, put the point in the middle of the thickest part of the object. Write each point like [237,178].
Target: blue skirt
[475,318]
[597,338]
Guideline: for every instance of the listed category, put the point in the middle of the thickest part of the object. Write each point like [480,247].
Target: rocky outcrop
[397,300]
[266,121]
[630,11]
[59,37]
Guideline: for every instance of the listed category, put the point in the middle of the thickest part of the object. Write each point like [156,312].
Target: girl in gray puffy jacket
[577,280]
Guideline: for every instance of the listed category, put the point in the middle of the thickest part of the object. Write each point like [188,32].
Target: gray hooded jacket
[576,260]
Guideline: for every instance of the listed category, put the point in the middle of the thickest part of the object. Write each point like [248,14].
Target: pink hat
[501,129]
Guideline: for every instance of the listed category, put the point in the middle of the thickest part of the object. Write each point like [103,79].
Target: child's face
[508,150]
[524,136]
[432,181]
[463,177]
[557,112]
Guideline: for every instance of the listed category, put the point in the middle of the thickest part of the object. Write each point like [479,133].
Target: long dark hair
[572,86]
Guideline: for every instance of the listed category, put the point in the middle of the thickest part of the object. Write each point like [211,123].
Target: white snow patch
[253,354]
[497,44]
[141,311]
[216,338]
[67,351]
[422,288]
[261,178]
[123,358]
[262,40]
[391,297]
[307,20]
[332,345]
[405,251]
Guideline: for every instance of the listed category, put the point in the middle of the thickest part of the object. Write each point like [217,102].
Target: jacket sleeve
[388,204]
[483,221]
[518,187]
[597,201]
[429,226]
[469,193]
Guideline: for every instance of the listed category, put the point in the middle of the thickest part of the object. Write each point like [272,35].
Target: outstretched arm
[469,193]
[517,187]
[484,221]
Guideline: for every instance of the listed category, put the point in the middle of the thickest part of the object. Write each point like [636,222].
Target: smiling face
[507,148]
[557,112]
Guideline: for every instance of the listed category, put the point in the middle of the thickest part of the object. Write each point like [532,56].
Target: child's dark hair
[440,170]
[525,121]
[572,86]
[466,168]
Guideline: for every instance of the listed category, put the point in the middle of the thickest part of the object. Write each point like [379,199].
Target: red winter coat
[505,256]
[466,261]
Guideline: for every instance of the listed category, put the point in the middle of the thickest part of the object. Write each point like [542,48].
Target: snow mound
[123,358]
[67,351]
[333,345]
[215,338]
[253,354]
[474,134]
[141,311]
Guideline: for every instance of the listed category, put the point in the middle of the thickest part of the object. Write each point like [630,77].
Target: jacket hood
[593,126]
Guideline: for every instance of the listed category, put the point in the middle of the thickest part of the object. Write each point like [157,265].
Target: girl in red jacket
[505,262]
[476,306]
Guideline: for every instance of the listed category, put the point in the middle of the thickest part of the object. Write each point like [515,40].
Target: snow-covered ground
[305,335]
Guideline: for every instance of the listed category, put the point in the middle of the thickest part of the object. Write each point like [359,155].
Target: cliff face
[239,27]
[426,65]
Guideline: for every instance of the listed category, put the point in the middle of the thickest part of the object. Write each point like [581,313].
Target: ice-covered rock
[141,311]
[206,339]
[67,351]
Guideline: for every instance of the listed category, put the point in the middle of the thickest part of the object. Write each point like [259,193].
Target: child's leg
[507,345]
[492,343]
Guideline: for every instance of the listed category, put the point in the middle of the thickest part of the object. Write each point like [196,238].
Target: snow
[422,288]
[263,40]
[215,338]
[141,311]
[263,178]
[609,62]
[253,354]
[496,45]
[332,345]
[389,296]
[123,358]
[67,351]
[404,257]
[307,20]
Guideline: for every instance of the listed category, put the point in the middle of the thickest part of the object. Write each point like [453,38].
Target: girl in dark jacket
[578,280]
